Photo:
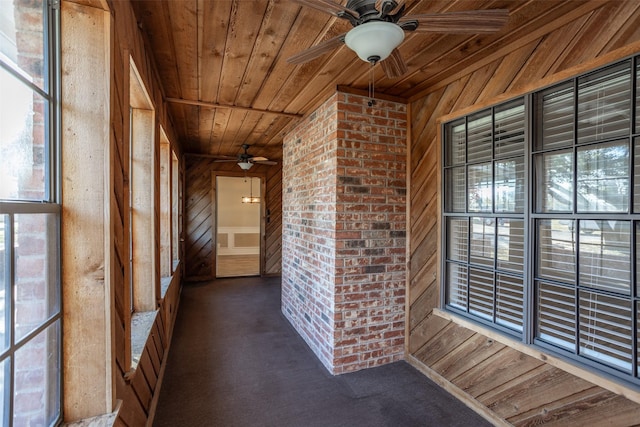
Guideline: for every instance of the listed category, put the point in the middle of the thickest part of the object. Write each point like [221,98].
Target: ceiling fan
[379,26]
[246,160]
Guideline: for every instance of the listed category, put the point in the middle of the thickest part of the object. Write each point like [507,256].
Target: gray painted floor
[236,361]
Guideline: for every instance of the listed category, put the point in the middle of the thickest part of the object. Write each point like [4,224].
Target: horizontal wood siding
[498,380]
[200,215]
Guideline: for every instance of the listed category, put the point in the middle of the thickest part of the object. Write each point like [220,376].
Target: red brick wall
[344,213]
[308,229]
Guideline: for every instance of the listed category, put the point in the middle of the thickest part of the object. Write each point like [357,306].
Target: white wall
[231,211]
[237,220]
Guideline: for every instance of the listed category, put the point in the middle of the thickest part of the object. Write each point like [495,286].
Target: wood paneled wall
[200,215]
[140,394]
[136,389]
[500,379]
[273,222]
[102,311]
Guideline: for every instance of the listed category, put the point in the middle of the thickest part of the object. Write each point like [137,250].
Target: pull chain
[372,94]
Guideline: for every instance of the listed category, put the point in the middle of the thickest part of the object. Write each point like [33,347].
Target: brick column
[344,215]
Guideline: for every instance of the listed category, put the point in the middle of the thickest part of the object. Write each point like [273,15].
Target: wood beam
[88,233]
[230,107]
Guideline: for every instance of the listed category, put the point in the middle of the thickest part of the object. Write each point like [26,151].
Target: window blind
[604,107]
[572,196]
[554,111]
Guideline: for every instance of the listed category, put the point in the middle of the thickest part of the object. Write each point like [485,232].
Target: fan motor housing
[367,11]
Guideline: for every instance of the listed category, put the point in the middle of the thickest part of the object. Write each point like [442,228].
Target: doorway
[238,226]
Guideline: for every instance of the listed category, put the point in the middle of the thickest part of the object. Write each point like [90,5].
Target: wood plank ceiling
[226,78]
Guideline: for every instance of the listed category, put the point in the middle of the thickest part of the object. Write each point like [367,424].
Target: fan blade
[223,157]
[225,160]
[329,7]
[258,159]
[388,7]
[394,66]
[467,21]
[266,162]
[317,50]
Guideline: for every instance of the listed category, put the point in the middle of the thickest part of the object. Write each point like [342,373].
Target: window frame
[493,214]
[49,204]
[631,138]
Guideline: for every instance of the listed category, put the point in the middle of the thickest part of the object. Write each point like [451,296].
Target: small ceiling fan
[379,26]
[246,160]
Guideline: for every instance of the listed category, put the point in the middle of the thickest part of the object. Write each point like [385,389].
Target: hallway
[235,361]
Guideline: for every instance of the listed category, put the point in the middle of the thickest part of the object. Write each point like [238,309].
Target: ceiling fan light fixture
[245,165]
[375,40]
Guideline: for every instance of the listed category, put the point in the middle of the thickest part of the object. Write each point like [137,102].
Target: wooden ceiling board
[275,28]
[309,96]
[215,21]
[192,121]
[260,135]
[300,77]
[525,26]
[307,25]
[233,53]
[183,18]
[241,133]
[204,131]
[420,49]
[219,127]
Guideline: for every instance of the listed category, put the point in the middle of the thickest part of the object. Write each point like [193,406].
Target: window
[542,218]
[170,210]
[30,317]
[165,207]
[144,163]
[484,184]
[176,210]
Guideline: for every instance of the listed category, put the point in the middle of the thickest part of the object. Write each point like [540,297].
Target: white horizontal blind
[556,317]
[605,255]
[603,177]
[457,236]
[636,172]
[554,110]
[479,137]
[509,298]
[604,104]
[457,289]
[583,237]
[605,329]
[509,129]
[456,145]
[456,184]
[556,250]
[480,188]
[509,185]
[510,256]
